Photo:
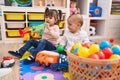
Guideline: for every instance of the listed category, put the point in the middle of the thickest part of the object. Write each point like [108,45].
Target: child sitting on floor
[74,34]
[49,38]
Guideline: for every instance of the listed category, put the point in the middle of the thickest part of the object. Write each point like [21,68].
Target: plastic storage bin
[15,25]
[15,16]
[35,23]
[12,33]
[35,16]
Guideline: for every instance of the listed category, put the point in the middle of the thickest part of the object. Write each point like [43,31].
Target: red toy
[101,55]
[87,45]
[111,40]
[107,52]
[93,56]
[7,62]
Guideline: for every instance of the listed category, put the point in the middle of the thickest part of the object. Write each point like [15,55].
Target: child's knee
[44,41]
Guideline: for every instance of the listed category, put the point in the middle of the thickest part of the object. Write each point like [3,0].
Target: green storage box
[35,23]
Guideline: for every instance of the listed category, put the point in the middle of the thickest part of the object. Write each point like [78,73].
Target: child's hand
[47,25]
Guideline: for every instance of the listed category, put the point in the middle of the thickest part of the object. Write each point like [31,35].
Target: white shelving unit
[36,8]
[106,26]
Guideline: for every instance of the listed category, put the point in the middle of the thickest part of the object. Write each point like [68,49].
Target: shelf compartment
[56,3]
[35,23]
[35,16]
[115,12]
[14,16]
[12,33]
[53,3]
[39,3]
[99,26]
[14,25]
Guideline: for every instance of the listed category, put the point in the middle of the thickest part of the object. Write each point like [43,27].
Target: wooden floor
[14,75]
[4,48]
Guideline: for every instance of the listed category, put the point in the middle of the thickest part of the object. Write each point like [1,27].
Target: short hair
[77,17]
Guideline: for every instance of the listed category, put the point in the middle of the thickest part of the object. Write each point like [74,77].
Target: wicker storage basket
[92,69]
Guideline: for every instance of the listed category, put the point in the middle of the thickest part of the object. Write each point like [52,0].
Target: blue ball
[76,50]
[116,50]
[104,44]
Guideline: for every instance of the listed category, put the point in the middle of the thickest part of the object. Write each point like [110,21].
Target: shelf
[49,3]
[98,18]
[114,17]
[30,9]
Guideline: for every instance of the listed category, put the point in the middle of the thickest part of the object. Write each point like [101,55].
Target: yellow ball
[76,45]
[83,52]
[94,48]
[114,56]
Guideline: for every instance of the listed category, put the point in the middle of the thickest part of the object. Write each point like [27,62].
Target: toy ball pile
[103,50]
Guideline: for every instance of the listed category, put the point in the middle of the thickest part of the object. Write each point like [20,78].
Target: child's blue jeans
[37,46]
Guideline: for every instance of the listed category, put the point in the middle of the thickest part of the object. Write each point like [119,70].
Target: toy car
[55,60]
[62,64]
[7,62]
[45,58]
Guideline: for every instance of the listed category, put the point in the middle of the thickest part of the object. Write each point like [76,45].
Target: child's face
[74,24]
[50,20]
[73,27]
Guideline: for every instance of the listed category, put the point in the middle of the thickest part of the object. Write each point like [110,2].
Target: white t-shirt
[70,39]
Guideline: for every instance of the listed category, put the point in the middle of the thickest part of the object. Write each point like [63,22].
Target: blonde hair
[76,18]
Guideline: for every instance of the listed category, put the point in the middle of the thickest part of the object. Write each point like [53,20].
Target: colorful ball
[104,44]
[75,50]
[107,52]
[87,45]
[83,52]
[93,56]
[60,48]
[116,50]
[94,48]
[76,45]
[111,40]
[114,56]
[100,55]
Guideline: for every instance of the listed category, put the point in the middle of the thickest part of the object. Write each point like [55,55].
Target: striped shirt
[70,39]
[52,34]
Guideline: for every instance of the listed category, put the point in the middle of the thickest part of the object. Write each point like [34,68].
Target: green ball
[60,48]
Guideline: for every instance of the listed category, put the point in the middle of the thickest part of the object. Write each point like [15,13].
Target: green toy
[60,48]
[37,28]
